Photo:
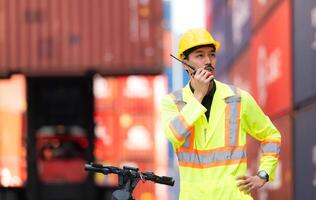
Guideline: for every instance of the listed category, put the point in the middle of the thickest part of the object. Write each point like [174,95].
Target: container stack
[304,48]
[89,77]
[67,37]
[269,49]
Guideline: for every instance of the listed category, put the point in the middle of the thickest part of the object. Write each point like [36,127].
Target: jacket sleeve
[178,124]
[259,126]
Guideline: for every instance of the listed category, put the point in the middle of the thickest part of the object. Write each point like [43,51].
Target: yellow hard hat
[193,38]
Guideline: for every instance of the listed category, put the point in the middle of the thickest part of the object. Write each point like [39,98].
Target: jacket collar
[222,91]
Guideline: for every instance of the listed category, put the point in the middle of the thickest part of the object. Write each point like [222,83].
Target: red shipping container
[13,165]
[282,187]
[138,136]
[123,105]
[125,117]
[136,94]
[107,137]
[270,54]
[208,14]
[70,37]
[105,92]
[108,142]
[261,10]
[238,74]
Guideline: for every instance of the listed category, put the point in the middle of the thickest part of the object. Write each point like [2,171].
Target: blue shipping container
[304,51]
[232,27]
[305,153]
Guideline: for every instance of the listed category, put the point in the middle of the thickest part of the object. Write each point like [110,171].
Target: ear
[182,56]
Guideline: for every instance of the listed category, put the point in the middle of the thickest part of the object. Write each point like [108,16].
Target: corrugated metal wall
[74,36]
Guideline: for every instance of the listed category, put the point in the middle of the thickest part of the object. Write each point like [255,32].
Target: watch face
[263,175]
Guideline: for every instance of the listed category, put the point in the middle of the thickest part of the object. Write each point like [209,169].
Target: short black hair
[187,52]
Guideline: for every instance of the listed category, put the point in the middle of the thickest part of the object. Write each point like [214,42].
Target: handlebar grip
[166,180]
[159,179]
[91,168]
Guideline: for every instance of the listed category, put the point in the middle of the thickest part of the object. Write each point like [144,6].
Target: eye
[212,54]
[199,55]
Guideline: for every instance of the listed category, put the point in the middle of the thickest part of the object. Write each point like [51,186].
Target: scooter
[128,177]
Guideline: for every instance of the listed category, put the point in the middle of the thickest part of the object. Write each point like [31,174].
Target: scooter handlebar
[98,168]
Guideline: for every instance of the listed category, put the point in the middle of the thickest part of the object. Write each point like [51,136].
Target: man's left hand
[249,183]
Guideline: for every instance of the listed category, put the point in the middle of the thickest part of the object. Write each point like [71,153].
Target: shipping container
[125,111]
[261,11]
[60,136]
[12,132]
[167,16]
[127,127]
[230,25]
[238,74]
[105,91]
[138,132]
[208,14]
[238,33]
[219,29]
[136,94]
[167,42]
[304,31]
[305,153]
[67,37]
[107,136]
[282,187]
[271,60]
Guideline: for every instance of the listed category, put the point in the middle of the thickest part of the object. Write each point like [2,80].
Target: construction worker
[207,121]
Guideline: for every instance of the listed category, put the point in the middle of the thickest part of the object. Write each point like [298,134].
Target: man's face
[203,57]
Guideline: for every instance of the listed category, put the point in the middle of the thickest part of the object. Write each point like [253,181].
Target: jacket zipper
[204,135]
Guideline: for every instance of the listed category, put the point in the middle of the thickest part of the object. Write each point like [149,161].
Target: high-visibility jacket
[211,153]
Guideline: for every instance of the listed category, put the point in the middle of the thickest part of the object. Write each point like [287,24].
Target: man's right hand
[201,83]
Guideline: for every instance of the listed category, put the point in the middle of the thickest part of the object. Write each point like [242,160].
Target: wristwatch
[263,175]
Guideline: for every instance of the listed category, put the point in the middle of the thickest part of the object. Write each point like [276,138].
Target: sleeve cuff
[193,110]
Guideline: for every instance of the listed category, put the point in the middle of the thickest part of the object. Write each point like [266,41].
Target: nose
[207,60]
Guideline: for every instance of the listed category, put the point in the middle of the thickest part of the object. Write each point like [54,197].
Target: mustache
[209,67]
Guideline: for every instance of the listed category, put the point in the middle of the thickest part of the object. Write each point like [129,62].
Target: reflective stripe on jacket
[212,153]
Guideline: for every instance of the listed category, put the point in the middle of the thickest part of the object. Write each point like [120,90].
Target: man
[207,121]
